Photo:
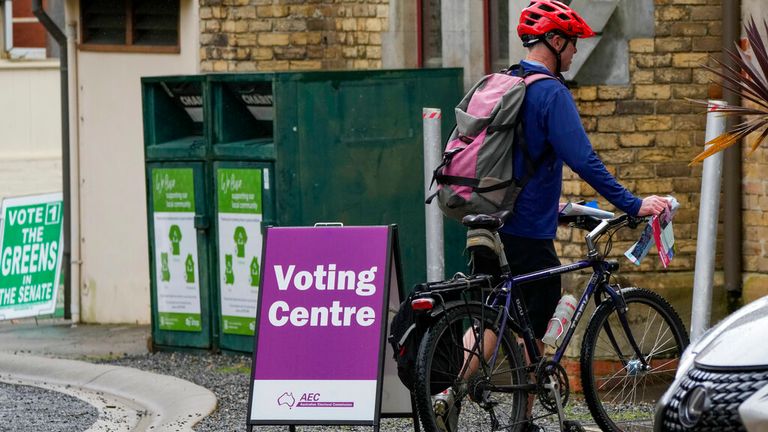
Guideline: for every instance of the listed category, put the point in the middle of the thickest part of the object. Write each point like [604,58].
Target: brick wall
[755,219]
[647,133]
[257,35]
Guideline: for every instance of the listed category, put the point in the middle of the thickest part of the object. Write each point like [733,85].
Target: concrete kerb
[171,404]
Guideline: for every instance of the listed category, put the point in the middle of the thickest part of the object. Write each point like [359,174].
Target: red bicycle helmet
[545,16]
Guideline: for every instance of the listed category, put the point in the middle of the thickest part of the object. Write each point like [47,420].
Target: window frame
[493,35]
[421,34]
[22,17]
[129,46]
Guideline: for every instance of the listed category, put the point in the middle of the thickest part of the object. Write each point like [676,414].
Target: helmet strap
[545,39]
[557,53]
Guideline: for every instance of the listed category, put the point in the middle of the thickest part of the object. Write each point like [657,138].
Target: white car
[722,379]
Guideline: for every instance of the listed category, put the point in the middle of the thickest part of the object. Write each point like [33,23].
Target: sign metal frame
[392,279]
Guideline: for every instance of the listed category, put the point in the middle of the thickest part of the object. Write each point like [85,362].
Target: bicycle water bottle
[560,321]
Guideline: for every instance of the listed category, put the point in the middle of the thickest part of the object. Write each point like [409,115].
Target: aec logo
[287,400]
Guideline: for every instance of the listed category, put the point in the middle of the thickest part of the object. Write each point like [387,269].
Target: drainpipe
[732,195]
[74,166]
[61,39]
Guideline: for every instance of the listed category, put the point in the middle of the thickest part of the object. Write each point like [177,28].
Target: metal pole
[8,25]
[732,191]
[433,216]
[708,218]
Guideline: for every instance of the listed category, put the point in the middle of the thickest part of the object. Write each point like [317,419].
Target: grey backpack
[476,174]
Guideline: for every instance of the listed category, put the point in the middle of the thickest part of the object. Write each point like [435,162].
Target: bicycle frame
[511,294]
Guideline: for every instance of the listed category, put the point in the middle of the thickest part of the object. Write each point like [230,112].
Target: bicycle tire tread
[422,397]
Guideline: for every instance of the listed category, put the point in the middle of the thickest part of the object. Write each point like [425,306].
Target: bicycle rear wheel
[454,342]
[621,395]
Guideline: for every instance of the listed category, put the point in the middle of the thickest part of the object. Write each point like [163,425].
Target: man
[554,135]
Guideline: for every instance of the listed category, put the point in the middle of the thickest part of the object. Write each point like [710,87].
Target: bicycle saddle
[492,221]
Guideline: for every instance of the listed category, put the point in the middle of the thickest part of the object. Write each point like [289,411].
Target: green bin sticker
[176,259]
[30,255]
[240,215]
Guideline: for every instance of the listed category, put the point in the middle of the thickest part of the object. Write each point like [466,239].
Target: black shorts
[527,255]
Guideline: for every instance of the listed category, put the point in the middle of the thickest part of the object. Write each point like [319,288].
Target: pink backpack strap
[532,78]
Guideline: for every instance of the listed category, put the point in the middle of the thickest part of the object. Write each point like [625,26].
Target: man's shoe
[572,426]
[568,425]
[446,411]
[530,426]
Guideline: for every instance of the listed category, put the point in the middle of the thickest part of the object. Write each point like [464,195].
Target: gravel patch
[27,408]
[31,408]
[226,375]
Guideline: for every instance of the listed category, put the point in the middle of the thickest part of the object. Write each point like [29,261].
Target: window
[24,36]
[430,34]
[130,25]
[497,30]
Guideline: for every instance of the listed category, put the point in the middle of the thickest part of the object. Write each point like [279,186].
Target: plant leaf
[734,76]
[758,47]
[755,75]
[747,77]
[759,140]
[739,85]
[731,109]
[717,145]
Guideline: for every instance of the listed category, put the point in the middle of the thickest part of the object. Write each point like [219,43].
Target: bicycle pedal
[488,406]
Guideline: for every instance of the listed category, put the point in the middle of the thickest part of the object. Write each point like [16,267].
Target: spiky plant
[748,80]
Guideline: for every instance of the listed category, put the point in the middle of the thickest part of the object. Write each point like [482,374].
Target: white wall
[30,127]
[398,43]
[462,28]
[113,215]
[754,9]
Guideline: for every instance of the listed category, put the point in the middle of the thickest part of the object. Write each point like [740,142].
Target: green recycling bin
[349,148]
[178,203]
[243,157]
[319,147]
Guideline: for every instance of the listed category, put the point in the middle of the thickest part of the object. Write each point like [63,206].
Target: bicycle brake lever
[635,221]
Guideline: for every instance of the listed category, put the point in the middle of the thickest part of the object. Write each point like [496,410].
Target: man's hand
[653,205]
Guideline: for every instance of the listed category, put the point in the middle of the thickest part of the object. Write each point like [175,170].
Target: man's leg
[472,360]
[471,357]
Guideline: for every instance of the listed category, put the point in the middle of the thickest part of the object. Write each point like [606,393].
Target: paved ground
[43,357]
[57,338]
[130,387]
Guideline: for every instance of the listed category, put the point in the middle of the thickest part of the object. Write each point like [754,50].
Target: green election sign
[239,225]
[176,259]
[31,255]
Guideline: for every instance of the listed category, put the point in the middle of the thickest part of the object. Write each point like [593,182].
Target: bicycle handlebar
[589,223]
[597,227]
[607,224]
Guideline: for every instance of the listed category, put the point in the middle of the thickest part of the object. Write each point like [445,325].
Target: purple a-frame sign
[321,326]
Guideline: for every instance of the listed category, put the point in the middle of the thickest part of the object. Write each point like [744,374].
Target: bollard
[708,216]
[433,215]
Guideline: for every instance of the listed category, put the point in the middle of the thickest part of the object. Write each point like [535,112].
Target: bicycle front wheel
[620,393]
[457,389]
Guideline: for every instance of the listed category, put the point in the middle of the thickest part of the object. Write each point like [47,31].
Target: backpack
[406,331]
[476,174]
[405,337]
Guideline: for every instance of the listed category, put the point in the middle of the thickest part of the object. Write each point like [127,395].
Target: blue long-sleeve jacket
[553,129]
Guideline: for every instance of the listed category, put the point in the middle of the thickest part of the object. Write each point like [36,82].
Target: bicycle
[629,353]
